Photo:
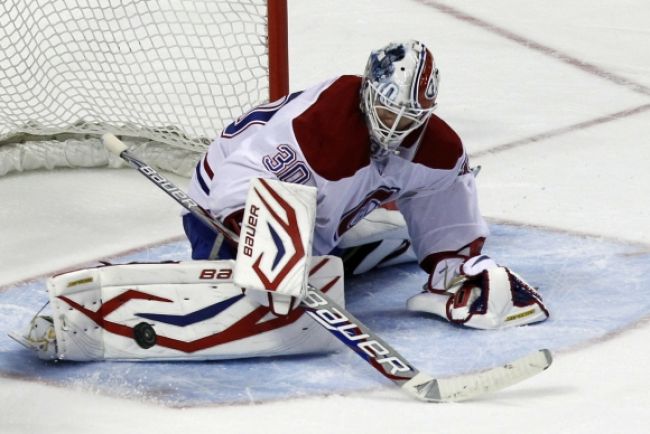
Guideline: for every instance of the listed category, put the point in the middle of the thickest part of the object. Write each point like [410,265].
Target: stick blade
[468,386]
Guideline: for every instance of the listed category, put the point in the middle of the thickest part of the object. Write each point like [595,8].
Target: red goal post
[165,75]
[278,49]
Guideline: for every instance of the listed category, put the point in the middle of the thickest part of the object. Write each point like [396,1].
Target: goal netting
[165,75]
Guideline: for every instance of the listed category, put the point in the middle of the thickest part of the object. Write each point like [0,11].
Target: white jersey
[318,137]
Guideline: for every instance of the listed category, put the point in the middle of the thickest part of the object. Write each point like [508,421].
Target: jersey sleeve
[228,192]
[444,220]
[260,144]
[443,213]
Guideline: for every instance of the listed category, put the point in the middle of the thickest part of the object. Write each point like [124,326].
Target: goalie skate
[39,336]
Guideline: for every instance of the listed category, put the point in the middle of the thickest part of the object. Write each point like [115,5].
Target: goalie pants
[205,243]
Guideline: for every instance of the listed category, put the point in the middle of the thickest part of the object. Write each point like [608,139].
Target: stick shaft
[179,196]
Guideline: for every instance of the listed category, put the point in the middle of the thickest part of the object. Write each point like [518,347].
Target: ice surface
[579,166]
[563,266]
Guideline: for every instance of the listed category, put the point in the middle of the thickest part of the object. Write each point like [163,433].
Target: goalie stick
[352,332]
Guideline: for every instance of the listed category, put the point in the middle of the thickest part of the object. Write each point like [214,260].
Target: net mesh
[170,71]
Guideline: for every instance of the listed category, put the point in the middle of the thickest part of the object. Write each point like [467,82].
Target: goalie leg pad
[380,239]
[178,311]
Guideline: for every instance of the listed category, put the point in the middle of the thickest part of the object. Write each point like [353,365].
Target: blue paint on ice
[592,288]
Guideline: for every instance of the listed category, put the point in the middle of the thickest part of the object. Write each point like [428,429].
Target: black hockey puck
[144,335]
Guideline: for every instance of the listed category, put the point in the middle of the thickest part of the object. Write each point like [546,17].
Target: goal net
[165,75]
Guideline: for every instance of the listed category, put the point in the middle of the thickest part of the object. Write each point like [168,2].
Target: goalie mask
[398,92]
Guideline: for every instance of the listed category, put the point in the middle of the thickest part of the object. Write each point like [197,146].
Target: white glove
[478,293]
[449,273]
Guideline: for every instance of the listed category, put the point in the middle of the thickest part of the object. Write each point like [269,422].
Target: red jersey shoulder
[332,132]
[440,147]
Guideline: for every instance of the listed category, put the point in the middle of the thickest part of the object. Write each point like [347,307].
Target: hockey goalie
[327,162]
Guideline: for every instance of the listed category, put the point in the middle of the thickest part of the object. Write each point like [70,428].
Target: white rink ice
[551,98]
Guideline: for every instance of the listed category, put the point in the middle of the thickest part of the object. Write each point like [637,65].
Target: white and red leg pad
[379,240]
[491,298]
[179,311]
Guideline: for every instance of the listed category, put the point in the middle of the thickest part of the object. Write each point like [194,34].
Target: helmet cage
[388,135]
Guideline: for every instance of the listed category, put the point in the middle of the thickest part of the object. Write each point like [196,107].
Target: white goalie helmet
[398,92]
